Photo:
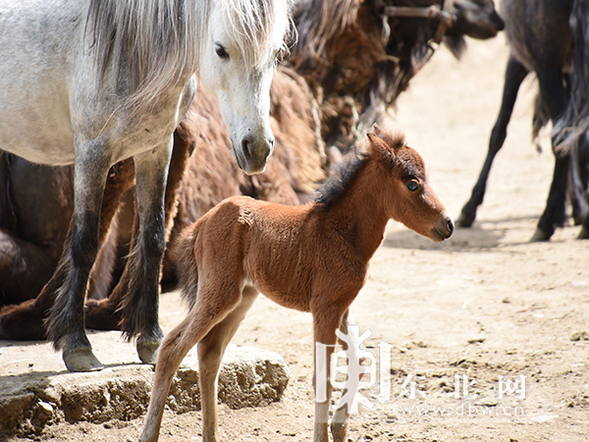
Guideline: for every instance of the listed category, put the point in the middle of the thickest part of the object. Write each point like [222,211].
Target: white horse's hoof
[81,360]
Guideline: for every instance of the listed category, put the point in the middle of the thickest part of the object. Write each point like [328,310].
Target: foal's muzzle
[443,228]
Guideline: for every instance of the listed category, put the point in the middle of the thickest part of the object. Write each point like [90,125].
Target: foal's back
[275,247]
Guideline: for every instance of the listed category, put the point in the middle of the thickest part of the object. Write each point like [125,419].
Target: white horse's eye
[221,52]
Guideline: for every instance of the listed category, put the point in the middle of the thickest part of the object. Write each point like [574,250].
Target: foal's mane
[346,171]
[149,44]
[336,184]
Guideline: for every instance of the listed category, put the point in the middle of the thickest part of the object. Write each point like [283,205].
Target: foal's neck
[360,216]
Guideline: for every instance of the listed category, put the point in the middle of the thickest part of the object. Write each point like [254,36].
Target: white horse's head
[244,39]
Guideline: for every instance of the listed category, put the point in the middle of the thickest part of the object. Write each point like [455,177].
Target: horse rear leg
[210,354]
[212,308]
[554,95]
[514,75]
[580,158]
[105,314]
[140,305]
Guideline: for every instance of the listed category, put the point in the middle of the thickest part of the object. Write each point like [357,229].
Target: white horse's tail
[147,44]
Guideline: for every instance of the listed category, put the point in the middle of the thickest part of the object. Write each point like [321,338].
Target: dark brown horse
[540,41]
[316,115]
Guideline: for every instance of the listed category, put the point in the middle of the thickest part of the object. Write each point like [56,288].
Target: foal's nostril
[450,225]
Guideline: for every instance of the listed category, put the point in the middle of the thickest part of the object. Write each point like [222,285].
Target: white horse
[94,82]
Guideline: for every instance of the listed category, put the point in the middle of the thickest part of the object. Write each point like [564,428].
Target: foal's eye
[412,186]
[221,52]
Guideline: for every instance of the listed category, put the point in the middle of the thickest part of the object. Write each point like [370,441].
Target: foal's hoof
[81,360]
[465,220]
[148,351]
[584,234]
[540,235]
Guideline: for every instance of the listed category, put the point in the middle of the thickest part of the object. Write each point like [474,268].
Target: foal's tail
[575,121]
[186,267]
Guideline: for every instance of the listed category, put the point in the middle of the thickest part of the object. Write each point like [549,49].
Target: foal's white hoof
[81,360]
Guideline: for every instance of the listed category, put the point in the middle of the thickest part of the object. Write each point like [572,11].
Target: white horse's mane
[150,44]
[253,24]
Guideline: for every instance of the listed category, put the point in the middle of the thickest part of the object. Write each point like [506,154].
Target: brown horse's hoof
[148,351]
[584,234]
[81,360]
[465,220]
[540,236]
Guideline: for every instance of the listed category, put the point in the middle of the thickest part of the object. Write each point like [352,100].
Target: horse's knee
[84,246]
[154,241]
[11,259]
[210,352]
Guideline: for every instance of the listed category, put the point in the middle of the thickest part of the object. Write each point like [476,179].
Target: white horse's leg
[210,355]
[210,309]
[140,305]
[65,325]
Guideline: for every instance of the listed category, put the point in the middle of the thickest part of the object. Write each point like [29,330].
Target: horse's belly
[45,140]
[35,42]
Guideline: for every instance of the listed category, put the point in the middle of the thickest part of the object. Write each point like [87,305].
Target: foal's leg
[325,322]
[140,306]
[210,309]
[514,75]
[341,417]
[210,355]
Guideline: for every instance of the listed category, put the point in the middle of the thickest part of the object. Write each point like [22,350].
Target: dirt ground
[485,331]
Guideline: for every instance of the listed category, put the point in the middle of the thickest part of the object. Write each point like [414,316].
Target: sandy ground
[457,317]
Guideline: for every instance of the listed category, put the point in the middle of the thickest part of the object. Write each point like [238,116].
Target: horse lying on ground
[317,111]
[103,81]
[540,41]
[313,258]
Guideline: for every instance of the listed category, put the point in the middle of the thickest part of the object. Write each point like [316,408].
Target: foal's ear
[378,141]
[383,143]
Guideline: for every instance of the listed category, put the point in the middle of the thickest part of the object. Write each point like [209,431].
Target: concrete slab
[37,390]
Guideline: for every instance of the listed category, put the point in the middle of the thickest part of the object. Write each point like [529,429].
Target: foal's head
[411,199]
